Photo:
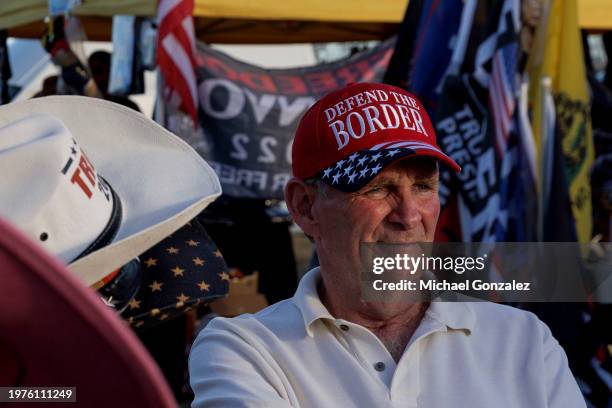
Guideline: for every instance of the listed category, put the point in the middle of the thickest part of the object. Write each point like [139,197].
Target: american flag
[175,54]
[504,85]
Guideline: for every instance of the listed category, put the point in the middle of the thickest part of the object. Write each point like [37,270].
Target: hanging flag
[513,139]
[440,46]
[401,60]
[478,125]
[522,190]
[558,55]
[431,44]
[175,54]
[503,86]
[120,81]
[461,125]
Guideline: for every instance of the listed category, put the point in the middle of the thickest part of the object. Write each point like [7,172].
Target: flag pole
[547,127]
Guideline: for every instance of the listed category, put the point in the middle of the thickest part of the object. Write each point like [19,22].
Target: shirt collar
[454,315]
[307,299]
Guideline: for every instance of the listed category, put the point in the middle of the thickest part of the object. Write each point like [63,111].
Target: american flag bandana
[357,170]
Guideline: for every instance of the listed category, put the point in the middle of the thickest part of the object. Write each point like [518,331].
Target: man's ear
[300,198]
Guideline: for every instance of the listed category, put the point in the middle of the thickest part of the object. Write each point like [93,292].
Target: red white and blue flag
[175,54]
[503,83]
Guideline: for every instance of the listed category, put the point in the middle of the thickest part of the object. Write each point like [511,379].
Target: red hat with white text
[350,135]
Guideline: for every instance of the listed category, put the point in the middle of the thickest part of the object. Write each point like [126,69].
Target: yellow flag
[558,54]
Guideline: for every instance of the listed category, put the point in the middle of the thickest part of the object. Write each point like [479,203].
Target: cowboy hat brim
[161,181]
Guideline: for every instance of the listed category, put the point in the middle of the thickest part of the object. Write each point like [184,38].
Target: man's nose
[405,211]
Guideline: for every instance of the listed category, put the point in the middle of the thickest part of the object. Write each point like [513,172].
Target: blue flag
[438,36]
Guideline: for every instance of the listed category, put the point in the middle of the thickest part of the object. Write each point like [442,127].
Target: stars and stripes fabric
[478,124]
[358,169]
[513,140]
[175,54]
[504,85]
[183,271]
[502,81]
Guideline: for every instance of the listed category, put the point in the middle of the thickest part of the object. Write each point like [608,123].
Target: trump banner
[248,114]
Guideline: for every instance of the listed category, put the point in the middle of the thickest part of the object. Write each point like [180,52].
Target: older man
[365,162]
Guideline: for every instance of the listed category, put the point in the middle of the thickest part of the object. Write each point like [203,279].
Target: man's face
[400,205]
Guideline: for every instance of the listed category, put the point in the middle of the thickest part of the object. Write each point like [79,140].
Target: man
[74,73]
[100,65]
[365,166]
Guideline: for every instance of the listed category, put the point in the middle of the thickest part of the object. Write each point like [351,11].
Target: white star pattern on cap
[376,169]
[352,173]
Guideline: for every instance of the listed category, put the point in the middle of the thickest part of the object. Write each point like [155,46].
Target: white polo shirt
[296,354]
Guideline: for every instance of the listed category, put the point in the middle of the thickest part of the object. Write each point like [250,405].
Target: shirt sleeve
[227,370]
[562,388]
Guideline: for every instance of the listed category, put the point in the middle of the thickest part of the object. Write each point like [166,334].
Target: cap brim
[356,170]
[438,154]
[162,182]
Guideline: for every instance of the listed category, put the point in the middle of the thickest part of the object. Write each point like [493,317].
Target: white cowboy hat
[96,183]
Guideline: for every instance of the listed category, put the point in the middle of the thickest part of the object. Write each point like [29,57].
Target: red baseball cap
[351,134]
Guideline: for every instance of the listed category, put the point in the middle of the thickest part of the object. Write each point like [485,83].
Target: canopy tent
[259,21]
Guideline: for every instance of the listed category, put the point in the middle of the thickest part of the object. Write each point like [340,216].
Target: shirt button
[344,327]
[380,366]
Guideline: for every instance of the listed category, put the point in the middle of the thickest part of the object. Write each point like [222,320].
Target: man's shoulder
[274,319]
[495,317]
[486,309]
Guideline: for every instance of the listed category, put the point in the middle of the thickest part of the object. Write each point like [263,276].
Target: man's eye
[423,187]
[376,191]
